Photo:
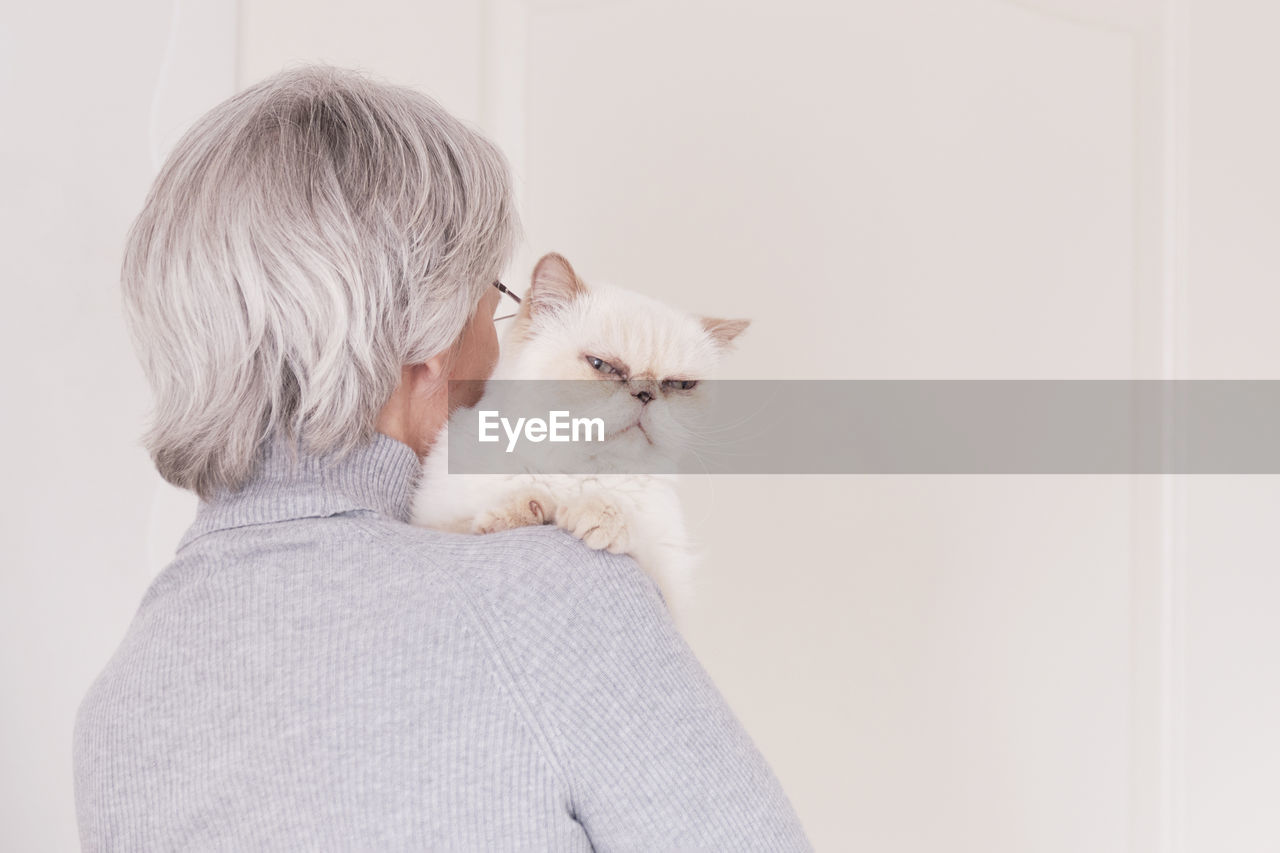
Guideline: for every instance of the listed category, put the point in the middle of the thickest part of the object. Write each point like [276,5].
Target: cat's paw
[528,508]
[597,521]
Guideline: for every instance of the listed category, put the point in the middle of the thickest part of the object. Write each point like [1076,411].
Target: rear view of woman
[311,267]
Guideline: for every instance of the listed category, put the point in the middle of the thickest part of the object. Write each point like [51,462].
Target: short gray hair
[306,239]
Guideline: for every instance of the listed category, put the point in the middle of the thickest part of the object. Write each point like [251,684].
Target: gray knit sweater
[313,673]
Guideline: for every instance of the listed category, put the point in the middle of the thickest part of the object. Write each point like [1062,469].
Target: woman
[311,267]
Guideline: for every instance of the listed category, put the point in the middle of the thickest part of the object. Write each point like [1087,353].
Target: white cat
[652,357]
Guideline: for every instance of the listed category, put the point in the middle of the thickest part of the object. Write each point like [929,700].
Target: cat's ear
[723,331]
[554,284]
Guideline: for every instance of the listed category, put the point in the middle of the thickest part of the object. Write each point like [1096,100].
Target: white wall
[923,188]
[1231,555]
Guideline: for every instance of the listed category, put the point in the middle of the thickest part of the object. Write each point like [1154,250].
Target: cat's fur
[561,325]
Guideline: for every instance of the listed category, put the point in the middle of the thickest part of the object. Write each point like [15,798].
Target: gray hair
[306,239]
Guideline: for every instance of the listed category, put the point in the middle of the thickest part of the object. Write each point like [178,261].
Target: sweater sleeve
[652,754]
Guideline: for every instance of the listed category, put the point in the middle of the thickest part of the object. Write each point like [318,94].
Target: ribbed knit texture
[313,673]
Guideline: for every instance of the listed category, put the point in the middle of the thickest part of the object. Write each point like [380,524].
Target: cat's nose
[643,388]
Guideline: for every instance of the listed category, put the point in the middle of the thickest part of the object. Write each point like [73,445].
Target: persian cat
[646,360]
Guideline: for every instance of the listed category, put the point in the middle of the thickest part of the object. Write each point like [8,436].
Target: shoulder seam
[505,671]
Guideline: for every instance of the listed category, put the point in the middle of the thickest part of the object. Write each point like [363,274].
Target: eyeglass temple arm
[506,290]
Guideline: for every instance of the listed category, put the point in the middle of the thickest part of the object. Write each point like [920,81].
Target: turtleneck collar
[379,476]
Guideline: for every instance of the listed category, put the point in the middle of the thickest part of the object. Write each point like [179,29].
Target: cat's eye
[602,365]
[679,384]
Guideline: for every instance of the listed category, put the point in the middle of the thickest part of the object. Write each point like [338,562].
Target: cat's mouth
[639,426]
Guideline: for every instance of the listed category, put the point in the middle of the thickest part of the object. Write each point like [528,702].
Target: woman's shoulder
[543,566]
[533,592]
[535,574]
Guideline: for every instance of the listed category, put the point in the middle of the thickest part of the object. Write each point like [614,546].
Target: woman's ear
[418,406]
[723,331]
[425,377]
[554,285]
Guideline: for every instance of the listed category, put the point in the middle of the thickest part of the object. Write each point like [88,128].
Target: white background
[905,189]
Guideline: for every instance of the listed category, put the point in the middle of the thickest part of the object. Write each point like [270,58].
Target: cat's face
[645,360]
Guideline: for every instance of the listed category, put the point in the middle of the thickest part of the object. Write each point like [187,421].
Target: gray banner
[872,427]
